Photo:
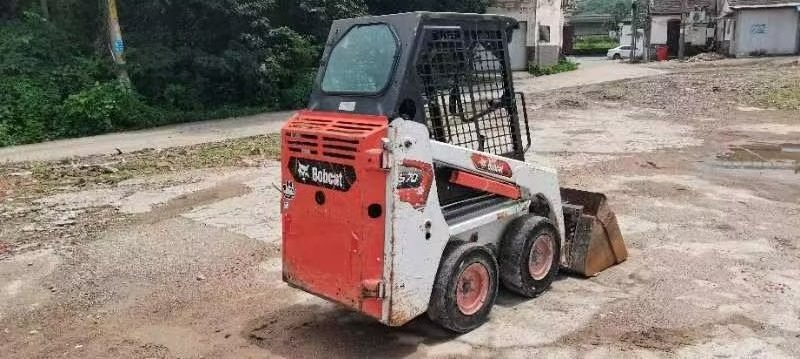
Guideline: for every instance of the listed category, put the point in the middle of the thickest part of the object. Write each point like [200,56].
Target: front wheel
[617,57]
[465,288]
[529,255]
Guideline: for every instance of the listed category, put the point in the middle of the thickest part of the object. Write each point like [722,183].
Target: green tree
[379,7]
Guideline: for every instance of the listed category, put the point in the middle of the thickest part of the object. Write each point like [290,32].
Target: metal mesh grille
[468,99]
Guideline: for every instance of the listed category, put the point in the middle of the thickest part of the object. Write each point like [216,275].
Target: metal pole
[682,41]
[648,22]
[634,32]
[536,53]
[116,43]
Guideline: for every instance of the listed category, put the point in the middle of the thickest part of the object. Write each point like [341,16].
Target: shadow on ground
[312,330]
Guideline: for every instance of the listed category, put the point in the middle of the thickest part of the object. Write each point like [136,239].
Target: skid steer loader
[405,186]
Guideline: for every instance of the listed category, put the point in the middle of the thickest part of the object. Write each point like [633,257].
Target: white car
[622,52]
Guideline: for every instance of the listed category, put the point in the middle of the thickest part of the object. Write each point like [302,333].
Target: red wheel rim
[472,288]
[541,257]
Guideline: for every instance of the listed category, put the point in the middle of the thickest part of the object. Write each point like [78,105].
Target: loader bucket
[593,239]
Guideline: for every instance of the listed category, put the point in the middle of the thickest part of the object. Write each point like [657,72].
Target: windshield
[362,61]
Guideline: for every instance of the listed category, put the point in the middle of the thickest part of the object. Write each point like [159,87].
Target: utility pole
[682,41]
[115,42]
[647,24]
[634,30]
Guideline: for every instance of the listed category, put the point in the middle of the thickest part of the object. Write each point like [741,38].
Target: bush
[103,108]
[595,42]
[562,66]
[588,52]
[26,108]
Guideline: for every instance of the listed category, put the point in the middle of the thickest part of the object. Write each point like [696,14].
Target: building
[539,37]
[625,39]
[591,24]
[665,24]
[759,27]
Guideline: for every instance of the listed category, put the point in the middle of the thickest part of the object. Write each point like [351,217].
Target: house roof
[668,7]
[762,3]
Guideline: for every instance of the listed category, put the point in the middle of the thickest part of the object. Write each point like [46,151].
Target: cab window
[362,62]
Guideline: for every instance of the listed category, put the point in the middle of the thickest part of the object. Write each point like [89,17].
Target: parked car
[622,52]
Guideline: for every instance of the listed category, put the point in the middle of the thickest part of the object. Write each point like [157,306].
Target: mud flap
[593,238]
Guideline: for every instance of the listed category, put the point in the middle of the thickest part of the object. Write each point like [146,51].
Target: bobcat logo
[289,190]
[303,171]
[322,174]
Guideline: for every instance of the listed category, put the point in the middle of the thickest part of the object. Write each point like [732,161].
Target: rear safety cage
[468,98]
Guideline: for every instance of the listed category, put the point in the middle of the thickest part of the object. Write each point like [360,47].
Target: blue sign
[758,29]
[119,46]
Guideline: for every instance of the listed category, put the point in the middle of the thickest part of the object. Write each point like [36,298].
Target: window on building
[544,33]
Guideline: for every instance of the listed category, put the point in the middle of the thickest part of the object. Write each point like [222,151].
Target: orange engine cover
[334,206]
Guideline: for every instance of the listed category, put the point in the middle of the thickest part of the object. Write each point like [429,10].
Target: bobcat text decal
[322,174]
[492,165]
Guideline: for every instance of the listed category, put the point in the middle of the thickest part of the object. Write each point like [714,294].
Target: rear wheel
[465,288]
[529,255]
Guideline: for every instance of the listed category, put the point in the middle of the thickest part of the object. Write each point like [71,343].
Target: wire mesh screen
[468,98]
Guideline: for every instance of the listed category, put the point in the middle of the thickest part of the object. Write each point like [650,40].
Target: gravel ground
[182,259]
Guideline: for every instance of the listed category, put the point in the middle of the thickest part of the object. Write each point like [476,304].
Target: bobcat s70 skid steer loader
[405,186]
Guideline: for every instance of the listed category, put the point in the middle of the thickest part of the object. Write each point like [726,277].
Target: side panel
[533,179]
[333,207]
[420,233]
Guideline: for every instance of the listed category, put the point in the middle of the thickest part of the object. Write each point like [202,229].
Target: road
[161,137]
[211,131]
[593,70]
[186,263]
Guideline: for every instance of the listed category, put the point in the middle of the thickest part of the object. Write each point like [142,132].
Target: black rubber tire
[442,308]
[617,57]
[515,250]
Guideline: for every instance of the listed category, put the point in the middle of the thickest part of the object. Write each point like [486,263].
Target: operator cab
[445,70]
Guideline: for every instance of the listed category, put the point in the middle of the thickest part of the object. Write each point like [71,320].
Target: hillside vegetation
[187,60]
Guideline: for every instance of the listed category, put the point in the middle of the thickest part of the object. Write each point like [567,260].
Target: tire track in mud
[184,203]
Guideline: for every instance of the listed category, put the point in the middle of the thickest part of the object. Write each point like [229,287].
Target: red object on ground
[662,52]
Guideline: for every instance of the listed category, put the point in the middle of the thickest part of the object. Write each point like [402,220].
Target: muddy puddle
[762,155]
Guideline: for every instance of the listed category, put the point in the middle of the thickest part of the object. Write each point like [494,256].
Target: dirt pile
[706,56]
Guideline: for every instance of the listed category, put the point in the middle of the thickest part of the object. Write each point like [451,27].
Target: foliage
[40,66]
[103,108]
[562,66]
[394,6]
[785,98]
[595,42]
[618,9]
[187,60]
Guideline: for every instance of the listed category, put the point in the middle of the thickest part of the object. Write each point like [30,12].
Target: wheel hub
[541,257]
[472,288]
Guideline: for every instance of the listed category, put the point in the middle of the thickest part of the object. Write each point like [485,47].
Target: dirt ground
[175,253]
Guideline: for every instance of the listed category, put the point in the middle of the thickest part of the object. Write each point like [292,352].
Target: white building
[759,27]
[665,25]
[540,36]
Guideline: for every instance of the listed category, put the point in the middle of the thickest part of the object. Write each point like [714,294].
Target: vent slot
[342,140]
[340,148]
[339,155]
